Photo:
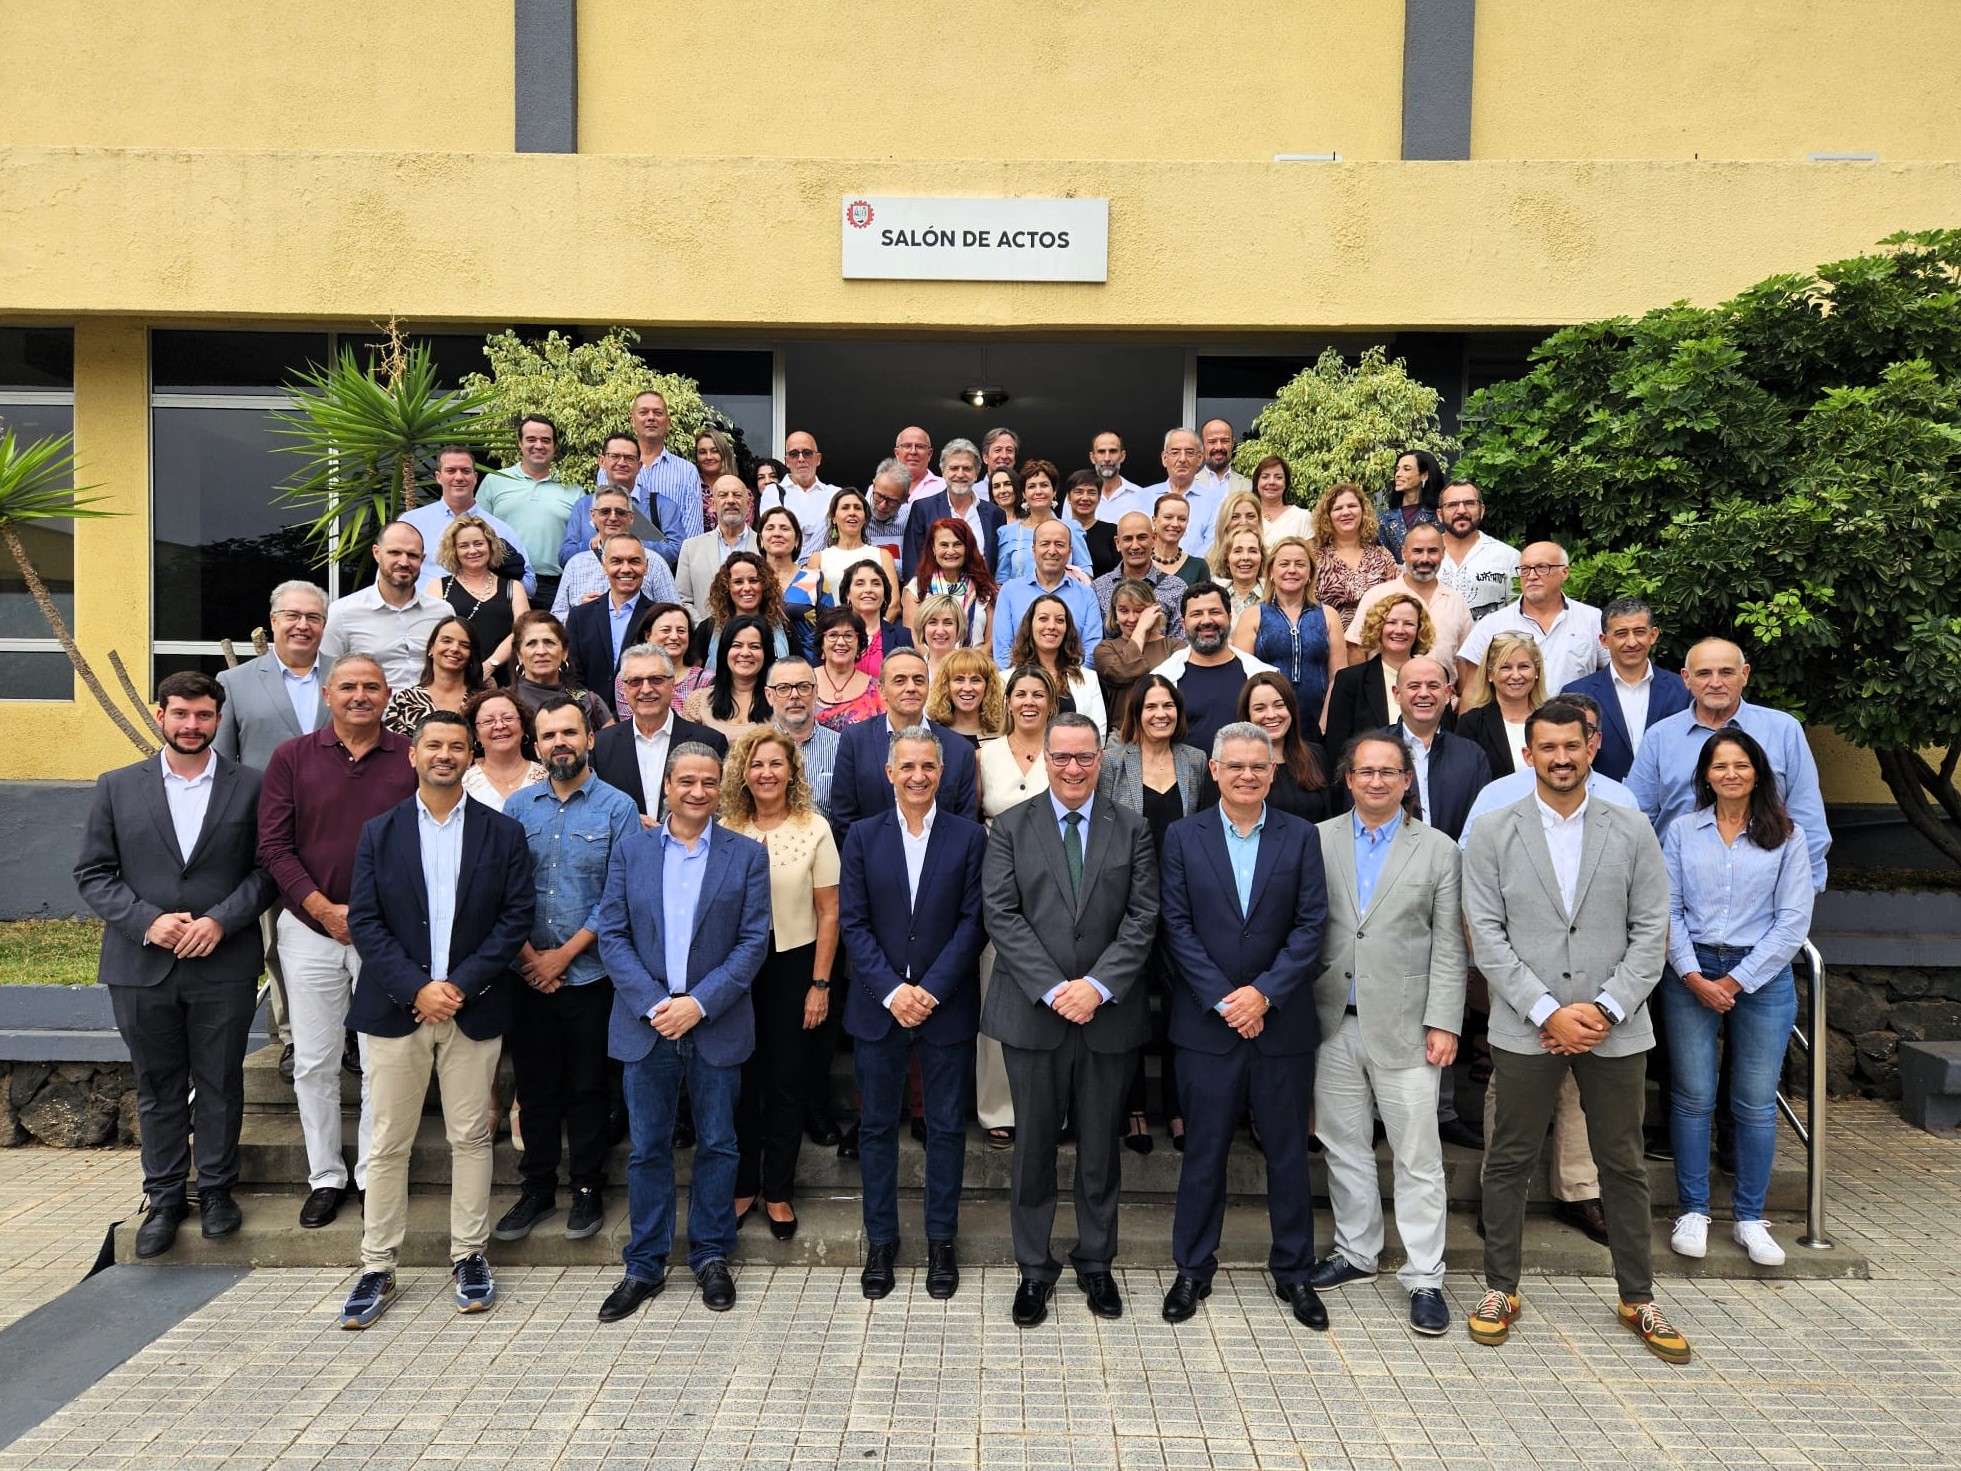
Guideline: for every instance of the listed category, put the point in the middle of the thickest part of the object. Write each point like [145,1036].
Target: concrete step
[831,1235]
[273,1154]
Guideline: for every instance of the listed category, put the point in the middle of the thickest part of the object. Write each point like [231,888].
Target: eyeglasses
[495,722]
[801,687]
[1379,773]
[798,454]
[1541,569]
[1084,759]
[645,681]
[284,616]
[1236,768]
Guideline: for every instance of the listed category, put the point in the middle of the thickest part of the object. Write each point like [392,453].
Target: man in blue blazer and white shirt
[596,632]
[859,785]
[915,957]
[441,903]
[1244,902]
[1633,692]
[683,930]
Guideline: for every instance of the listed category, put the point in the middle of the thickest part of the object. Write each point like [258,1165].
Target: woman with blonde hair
[470,552]
[766,796]
[939,626]
[1237,559]
[1510,685]
[966,695]
[1362,696]
[1349,557]
[1294,631]
[1241,509]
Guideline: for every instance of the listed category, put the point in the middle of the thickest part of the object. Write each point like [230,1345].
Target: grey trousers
[1613,1093]
[1089,1089]
[187,1032]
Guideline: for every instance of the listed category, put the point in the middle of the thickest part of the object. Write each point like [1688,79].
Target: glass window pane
[50,545]
[37,676]
[1236,388]
[221,543]
[231,362]
[37,357]
[736,381]
[162,665]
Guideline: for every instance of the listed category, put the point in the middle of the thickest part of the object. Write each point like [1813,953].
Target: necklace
[477,599]
[836,696]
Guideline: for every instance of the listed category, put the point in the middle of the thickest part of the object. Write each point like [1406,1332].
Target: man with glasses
[1478,568]
[585,578]
[702,556]
[889,509]
[531,497]
[632,754]
[1245,901]
[914,450]
[456,482]
[619,463]
[792,696]
[1567,632]
[803,494]
[1069,891]
[1181,460]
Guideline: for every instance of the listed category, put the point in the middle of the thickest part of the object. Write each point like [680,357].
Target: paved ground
[805,1373]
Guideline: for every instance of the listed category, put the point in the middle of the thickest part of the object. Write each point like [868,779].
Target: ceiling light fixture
[983,396]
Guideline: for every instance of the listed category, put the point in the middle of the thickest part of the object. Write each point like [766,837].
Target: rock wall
[1872,1009]
[68,1105]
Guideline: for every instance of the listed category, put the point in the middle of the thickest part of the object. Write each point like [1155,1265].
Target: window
[37,401]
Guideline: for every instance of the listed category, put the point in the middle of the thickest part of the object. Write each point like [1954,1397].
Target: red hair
[976,571]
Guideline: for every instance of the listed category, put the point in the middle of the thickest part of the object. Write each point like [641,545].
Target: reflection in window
[50,545]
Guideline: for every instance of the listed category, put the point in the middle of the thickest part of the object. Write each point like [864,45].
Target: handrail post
[1819,1053]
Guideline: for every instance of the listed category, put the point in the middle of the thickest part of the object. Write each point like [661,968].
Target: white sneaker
[1691,1235]
[1754,1237]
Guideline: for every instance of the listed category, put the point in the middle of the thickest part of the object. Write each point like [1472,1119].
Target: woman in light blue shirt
[1739,880]
[1014,543]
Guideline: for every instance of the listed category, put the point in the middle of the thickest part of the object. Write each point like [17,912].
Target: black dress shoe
[1308,1308]
[717,1286]
[877,1280]
[624,1301]
[1460,1133]
[1101,1290]
[321,1207]
[942,1270]
[1139,1140]
[1184,1297]
[286,1062]
[1584,1216]
[158,1233]
[1032,1302]
[1334,1270]
[219,1213]
[684,1134]
[821,1129]
[350,1057]
[919,1128]
[782,1230]
[1178,1141]
[1428,1313]
[848,1143]
[1658,1146]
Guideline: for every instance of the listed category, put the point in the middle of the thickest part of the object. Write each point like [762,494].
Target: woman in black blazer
[1510,685]
[1397,628]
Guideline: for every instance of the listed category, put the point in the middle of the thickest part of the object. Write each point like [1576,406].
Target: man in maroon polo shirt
[318,791]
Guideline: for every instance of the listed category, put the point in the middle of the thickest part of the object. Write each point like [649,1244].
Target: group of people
[1278,797]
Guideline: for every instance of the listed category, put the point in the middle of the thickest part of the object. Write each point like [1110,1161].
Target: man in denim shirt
[558,1042]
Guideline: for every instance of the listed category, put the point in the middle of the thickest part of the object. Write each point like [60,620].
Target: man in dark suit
[859,785]
[632,754]
[595,632]
[960,465]
[441,904]
[915,956]
[1633,692]
[1245,901]
[683,930]
[1069,892]
[169,859]
[1450,770]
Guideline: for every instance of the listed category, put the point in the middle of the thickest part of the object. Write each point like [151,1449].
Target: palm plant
[368,440]
[37,484]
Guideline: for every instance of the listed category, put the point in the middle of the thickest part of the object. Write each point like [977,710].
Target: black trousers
[187,1031]
[1162,978]
[558,1051]
[769,1110]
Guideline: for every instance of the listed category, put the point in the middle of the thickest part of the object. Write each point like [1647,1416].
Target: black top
[1211,694]
[490,620]
[1161,809]
[1485,724]
[1102,541]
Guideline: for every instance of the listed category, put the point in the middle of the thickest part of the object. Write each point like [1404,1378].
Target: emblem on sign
[859,213]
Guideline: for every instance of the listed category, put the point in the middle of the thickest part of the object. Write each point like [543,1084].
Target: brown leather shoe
[1584,1216]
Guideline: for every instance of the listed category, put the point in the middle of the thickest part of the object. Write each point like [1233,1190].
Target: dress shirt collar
[665,730]
[312,673]
[1062,812]
[201,779]
[925,825]
[423,814]
[1234,834]
[1553,822]
[1647,677]
[1376,835]
[668,840]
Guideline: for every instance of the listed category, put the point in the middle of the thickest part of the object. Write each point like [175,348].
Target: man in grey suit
[270,699]
[702,556]
[1391,999]
[1070,895]
[1566,900]
[169,859]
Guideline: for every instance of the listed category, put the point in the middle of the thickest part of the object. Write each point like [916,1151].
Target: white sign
[899,238]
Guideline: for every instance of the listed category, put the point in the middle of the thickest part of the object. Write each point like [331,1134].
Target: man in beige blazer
[1391,1000]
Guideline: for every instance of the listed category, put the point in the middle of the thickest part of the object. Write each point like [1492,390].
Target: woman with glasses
[470,552]
[846,694]
[500,734]
[734,703]
[451,673]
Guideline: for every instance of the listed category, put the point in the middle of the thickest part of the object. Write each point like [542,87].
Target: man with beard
[1216,479]
[441,903]
[572,821]
[1566,903]
[1117,496]
[1479,569]
[169,863]
[319,790]
[1450,615]
[792,696]
[1209,672]
[392,620]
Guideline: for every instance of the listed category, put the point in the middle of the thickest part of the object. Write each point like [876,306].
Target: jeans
[1757,1031]
[882,1067]
[653,1089]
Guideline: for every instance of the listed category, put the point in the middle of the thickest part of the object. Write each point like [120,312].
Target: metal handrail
[1811,1128]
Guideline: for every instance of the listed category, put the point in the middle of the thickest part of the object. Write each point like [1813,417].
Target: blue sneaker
[475,1292]
[369,1299]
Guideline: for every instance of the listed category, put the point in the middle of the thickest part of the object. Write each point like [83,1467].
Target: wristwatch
[819,985]
[1604,1012]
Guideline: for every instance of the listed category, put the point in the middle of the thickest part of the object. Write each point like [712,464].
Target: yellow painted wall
[245,74]
[987,79]
[1716,78]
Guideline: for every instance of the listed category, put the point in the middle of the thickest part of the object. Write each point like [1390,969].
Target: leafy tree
[1784,469]
[1333,423]
[587,390]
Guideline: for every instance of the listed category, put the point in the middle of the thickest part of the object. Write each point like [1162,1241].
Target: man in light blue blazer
[683,929]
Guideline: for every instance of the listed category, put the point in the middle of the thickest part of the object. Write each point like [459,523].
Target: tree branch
[1896,765]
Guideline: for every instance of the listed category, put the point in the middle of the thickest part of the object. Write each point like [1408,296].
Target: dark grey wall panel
[1438,37]
[40,834]
[547,80]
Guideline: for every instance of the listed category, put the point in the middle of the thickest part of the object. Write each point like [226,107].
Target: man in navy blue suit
[1450,769]
[915,955]
[683,930]
[1633,691]
[964,499]
[595,632]
[859,786]
[1244,902]
[440,904]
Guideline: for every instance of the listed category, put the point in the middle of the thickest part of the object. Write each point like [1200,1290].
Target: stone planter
[69,1105]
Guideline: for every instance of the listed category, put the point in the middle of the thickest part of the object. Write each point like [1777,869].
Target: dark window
[231,362]
[1237,388]
[737,382]
[50,545]
[37,676]
[37,357]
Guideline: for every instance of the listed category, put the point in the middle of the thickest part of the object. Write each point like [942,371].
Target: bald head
[1542,568]
[1717,676]
[730,498]
[1423,695]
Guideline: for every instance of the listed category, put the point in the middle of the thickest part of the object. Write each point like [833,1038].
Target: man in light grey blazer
[702,556]
[1070,894]
[1391,1000]
[1566,900]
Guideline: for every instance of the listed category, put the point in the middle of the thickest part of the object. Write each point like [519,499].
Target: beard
[1208,640]
[566,768]
[188,743]
[1108,472]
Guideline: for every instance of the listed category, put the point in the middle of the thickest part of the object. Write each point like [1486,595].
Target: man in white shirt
[1120,496]
[1181,459]
[803,494]
[702,556]
[1423,554]
[1216,479]
[392,620]
[914,450]
[1567,632]
[1476,567]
